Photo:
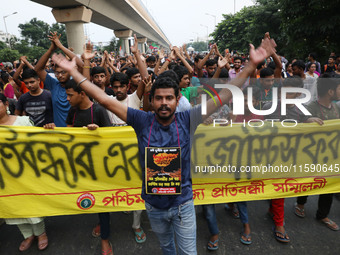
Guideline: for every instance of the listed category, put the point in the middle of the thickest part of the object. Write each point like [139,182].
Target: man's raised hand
[88,54]
[222,62]
[65,64]
[134,48]
[54,37]
[266,49]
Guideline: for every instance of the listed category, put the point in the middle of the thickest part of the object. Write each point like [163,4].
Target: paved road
[71,235]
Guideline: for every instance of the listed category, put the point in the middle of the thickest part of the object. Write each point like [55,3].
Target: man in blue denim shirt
[175,214]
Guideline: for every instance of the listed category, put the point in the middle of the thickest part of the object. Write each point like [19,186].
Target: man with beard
[237,67]
[169,215]
[135,79]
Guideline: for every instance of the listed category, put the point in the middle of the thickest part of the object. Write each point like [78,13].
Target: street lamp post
[207,35]
[4,17]
[196,36]
[214,16]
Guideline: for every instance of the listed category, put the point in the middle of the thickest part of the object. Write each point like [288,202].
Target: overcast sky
[180,20]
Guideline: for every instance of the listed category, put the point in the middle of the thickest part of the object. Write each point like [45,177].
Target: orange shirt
[24,89]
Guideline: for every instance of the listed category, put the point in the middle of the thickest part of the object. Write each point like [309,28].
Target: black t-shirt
[80,118]
[109,91]
[38,108]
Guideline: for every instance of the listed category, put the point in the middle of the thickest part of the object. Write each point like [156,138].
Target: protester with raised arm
[169,215]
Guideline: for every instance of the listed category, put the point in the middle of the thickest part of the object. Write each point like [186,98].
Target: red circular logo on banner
[86,201]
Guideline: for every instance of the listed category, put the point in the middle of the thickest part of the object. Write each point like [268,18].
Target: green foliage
[9,55]
[2,45]
[298,27]
[35,33]
[112,46]
[198,46]
[312,26]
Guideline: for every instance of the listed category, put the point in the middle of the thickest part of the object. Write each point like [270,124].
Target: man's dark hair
[332,57]
[169,74]
[265,72]
[97,70]
[210,62]
[224,74]
[259,66]
[164,83]
[238,58]
[299,64]
[272,65]
[3,98]
[131,72]
[198,57]
[122,58]
[172,65]
[180,71]
[5,77]
[123,69]
[72,84]
[151,59]
[326,83]
[121,77]
[312,55]
[29,73]
[189,62]
[293,81]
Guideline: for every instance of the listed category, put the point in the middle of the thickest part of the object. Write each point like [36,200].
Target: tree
[2,45]
[298,27]
[35,38]
[198,46]
[35,33]
[9,55]
[112,46]
[311,26]
[248,26]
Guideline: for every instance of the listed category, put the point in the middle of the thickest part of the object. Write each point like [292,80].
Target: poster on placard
[163,171]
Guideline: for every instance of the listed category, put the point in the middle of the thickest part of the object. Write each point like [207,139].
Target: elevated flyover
[125,17]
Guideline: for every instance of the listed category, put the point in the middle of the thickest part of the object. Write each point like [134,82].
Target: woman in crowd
[30,228]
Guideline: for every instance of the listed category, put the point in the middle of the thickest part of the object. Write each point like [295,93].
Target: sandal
[214,245]
[299,211]
[233,210]
[26,243]
[109,251]
[96,231]
[42,241]
[138,236]
[330,224]
[284,239]
[247,237]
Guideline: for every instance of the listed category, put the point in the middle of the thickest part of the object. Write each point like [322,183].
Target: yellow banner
[74,170]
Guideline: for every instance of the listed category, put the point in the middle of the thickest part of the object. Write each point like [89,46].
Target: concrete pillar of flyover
[124,35]
[74,19]
[141,44]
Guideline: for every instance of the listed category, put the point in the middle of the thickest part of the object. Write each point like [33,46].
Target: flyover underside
[117,15]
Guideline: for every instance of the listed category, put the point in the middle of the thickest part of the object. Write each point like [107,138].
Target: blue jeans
[177,221]
[242,209]
[210,215]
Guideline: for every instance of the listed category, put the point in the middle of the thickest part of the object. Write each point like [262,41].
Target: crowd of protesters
[104,89]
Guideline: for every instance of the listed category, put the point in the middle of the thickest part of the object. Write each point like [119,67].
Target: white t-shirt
[132,101]
[183,104]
